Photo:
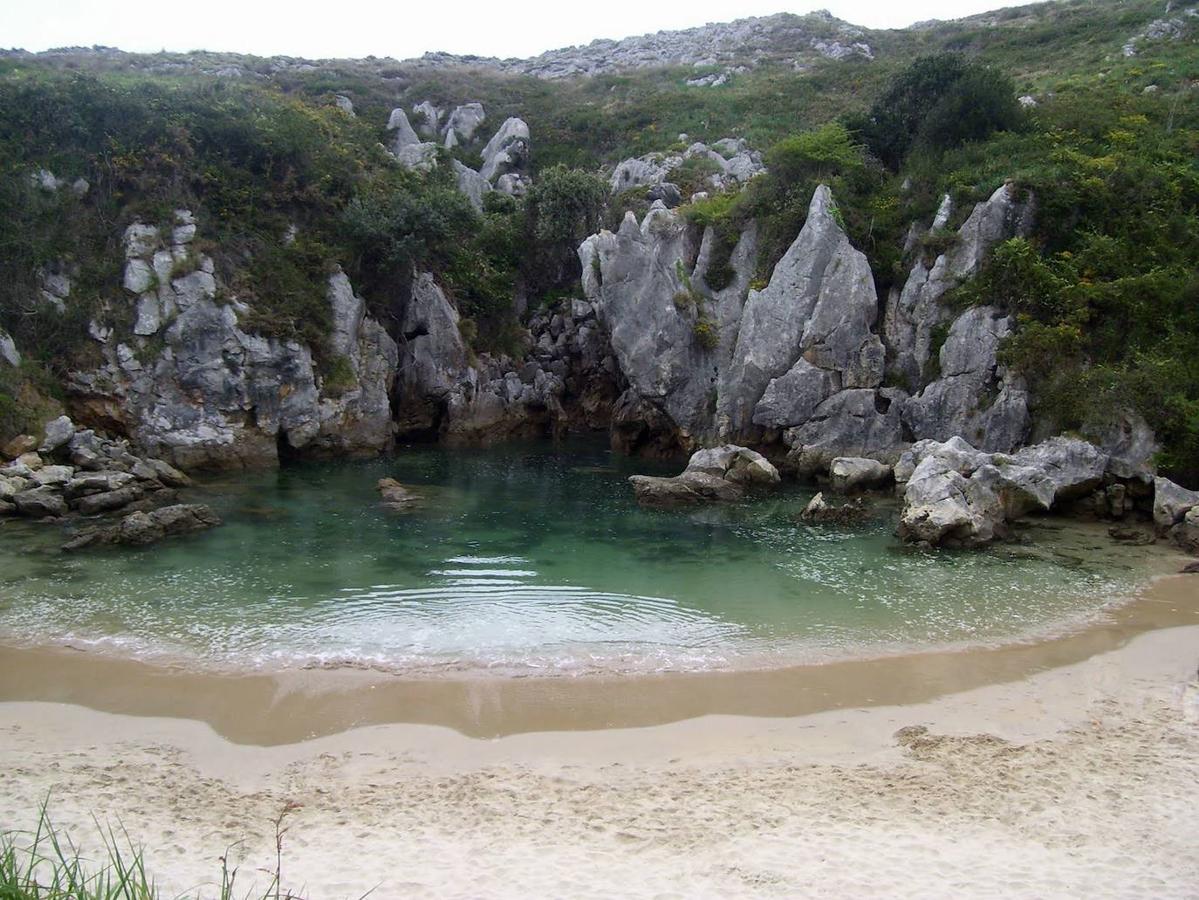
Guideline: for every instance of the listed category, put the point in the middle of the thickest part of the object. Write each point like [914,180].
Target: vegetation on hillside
[1104,291]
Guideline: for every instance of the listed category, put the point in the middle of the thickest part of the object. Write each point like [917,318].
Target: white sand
[1079,781]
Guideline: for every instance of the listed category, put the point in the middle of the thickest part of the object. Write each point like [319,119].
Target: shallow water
[535,559]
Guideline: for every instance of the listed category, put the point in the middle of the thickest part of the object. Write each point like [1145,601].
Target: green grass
[45,864]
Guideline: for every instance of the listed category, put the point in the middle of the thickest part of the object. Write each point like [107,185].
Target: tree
[938,103]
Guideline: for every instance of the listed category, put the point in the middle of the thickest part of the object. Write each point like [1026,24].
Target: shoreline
[1076,780]
[288,706]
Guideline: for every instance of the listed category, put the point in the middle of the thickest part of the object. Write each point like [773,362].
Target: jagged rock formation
[957,495]
[736,163]
[505,157]
[566,380]
[77,472]
[802,361]
[648,283]
[191,385]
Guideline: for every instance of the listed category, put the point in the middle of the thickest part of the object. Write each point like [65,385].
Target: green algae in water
[534,559]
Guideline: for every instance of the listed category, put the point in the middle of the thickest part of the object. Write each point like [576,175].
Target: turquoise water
[534,559]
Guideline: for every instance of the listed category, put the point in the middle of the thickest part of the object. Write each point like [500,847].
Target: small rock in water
[395,495]
[819,512]
[141,528]
[1133,536]
[1191,568]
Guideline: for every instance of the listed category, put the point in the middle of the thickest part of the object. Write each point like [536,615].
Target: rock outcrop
[191,385]
[957,495]
[141,528]
[567,379]
[781,38]
[718,474]
[732,160]
[772,359]
[78,472]
[506,157]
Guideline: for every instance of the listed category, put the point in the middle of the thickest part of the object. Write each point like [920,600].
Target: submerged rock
[395,495]
[141,528]
[718,474]
[820,512]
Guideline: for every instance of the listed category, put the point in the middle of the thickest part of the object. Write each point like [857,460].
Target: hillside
[286,169]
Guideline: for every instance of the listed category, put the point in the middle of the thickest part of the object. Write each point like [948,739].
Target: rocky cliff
[803,361]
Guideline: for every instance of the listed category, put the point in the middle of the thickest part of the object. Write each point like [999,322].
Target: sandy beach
[1071,777]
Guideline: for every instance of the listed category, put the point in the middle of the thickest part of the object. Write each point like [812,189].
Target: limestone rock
[507,151]
[141,528]
[915,311]
[717,474]
[854,473]
[861,422]
[472,184]
[820,305]
[954,405]
[958,495]
[57,433]
[8,350]
[1171,503]
[402,134]
[39,502]
[820,512]
[463,123]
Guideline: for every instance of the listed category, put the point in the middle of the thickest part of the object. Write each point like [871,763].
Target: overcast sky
[356,28]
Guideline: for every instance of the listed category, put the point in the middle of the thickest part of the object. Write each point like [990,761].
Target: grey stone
[40,502]
[855,473]
[1171,502]
[8,350]
[507,151]
[142,528]
[58,432]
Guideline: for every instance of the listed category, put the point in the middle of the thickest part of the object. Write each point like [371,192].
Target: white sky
[356,28]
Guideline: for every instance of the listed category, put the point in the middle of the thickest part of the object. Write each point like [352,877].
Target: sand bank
[1073,777]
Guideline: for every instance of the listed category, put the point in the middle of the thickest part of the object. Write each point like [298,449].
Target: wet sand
[1068,767]
[293,705]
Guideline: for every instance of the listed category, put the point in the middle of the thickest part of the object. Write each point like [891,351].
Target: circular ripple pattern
[534,559]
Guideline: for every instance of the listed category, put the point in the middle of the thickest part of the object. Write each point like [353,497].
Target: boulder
[821,512]
[508,151]
[717,474]
[57,433]
[943,507]
[52,476]
[19,446]
[1171,503]
[395,495]
[8,350]
[91,504]
[40,502]
[854,473]
[141,528]
[955,494]
[1186,533]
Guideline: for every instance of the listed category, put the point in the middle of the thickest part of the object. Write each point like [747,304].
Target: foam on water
[534,559]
